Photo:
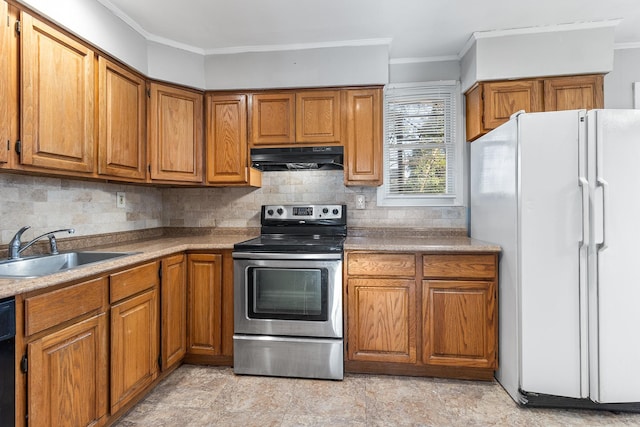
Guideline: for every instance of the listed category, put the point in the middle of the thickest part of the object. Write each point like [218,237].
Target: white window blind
[420,149]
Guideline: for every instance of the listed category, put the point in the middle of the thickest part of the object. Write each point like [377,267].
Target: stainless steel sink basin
[48,264]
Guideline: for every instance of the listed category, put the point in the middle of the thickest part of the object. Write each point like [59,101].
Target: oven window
[288,293]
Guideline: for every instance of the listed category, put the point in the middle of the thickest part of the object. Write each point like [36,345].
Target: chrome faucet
[16,248]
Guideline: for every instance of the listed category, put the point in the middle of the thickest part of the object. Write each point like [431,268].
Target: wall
[618,89]
[569,49]
[174,65]
[240,207]
[96,24]
[424,70]
[90,207]
[335,66]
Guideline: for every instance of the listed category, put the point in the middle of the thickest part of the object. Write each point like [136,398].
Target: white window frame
[455,199]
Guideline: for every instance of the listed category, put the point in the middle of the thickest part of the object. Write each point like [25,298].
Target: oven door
[292,297]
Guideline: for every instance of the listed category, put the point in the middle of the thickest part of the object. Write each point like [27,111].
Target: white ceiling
[413,28]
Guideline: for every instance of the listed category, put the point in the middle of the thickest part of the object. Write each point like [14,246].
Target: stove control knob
[270,212]
[335,211]
[325,210]
[280,211]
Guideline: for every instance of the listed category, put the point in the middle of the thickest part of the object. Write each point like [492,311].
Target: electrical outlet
[121,199]
[360,201]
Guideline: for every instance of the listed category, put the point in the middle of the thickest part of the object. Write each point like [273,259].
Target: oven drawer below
[288,357]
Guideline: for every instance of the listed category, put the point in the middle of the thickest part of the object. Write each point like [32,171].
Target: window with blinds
[421,151]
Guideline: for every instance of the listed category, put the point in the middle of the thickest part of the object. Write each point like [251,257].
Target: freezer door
[614,292]
[552,166]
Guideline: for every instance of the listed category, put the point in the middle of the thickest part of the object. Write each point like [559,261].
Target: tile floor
[212,396]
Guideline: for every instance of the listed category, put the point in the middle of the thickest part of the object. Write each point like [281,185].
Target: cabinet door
[134,346]
[363,139]
[175,134]
[318,116]
[473,113]
[67,379]
[5,82]
[272,118]
[57,99]
[502,99]
[573,93]
[205,304]
[381,320]
[227,158]
[121,112]
[174,310]
[459,323]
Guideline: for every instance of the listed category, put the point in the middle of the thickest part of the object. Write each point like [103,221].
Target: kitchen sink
[38,266]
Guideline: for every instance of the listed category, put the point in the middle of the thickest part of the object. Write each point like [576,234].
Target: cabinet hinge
[8,144]
[24,364]
[149,168]
[148,93]
[160,362]
[18,26]
[18,146]
[160,272]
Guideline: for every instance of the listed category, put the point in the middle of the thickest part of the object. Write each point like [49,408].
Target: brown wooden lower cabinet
[134,334]
[210,322]
[67,379]
[67,355]
[381,325]
[173,310]
[458,323]
[421,313]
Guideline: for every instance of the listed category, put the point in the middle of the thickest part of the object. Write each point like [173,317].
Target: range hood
[297,158]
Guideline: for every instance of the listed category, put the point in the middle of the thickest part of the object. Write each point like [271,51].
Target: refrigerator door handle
[584,188]
[600,182]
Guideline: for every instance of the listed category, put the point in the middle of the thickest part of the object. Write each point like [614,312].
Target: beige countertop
[387,242]
[150,249]
[147,250]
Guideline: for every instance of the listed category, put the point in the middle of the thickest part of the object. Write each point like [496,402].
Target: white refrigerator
[560,193]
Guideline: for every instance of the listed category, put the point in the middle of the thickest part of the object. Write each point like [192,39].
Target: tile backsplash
[240,207]
[90,207]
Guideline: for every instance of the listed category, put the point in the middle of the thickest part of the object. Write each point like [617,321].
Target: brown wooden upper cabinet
[296,117]
[121,118]
[226,141]
[318,116]
[363,137]
[490,104]
[57,112]
[175,134]
[5,83]
[569,93]
[272,118]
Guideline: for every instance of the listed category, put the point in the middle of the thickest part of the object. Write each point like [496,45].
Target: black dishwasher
[7,361]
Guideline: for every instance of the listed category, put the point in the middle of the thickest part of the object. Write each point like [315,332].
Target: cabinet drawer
[133,281]
[381,264]
[53,308]
[459,266]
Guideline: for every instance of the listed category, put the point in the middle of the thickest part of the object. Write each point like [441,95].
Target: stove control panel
[302,212]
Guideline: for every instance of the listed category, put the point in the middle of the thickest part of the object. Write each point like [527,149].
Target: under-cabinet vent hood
[297,158]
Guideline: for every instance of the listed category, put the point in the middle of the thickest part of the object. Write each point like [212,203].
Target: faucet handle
[14,244]
[16,237]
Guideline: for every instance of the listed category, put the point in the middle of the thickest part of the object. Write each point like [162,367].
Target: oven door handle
[291,255]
